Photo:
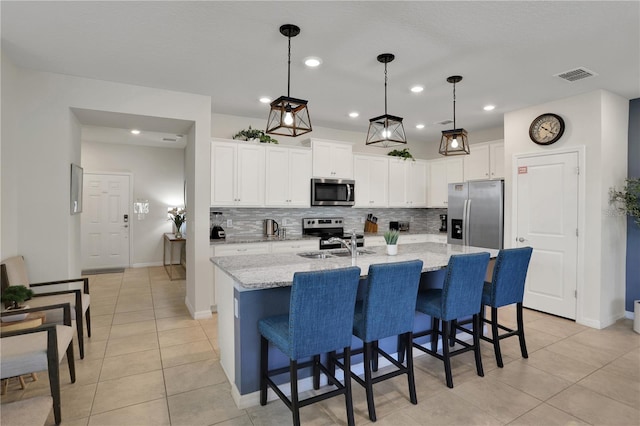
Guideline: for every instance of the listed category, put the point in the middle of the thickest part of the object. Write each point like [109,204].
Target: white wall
[158,176]
[225,126]
[46,140]
[597,121]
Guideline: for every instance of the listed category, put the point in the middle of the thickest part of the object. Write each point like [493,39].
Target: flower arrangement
[249,134]
[178,217]
[16,294]
[391,237]
[628,199]
[403,153]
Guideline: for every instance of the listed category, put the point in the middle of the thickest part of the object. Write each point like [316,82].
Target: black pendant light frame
[459,135]
[297,108]
[386,130]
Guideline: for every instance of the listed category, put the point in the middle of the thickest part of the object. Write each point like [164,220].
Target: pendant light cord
[289,69]
[385,88]
[454,105]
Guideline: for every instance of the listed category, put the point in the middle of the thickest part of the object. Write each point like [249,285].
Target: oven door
[332,192]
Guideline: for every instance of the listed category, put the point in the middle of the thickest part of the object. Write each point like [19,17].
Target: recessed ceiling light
[489,107]
[135,131]
[265,100]
[419,126]
[417,89]
[312,61]
[354,114]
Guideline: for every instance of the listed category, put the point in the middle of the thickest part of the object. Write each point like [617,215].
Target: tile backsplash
[249,221]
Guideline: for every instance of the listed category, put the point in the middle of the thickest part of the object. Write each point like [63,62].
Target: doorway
[105,221]
[546,218]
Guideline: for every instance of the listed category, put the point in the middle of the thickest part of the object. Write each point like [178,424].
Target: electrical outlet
[229,223]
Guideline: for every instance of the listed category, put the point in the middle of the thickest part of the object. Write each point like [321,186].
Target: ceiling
[507,52]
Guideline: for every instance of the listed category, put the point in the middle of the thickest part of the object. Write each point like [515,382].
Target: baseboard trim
[146,264]
[197,315]
[629,315]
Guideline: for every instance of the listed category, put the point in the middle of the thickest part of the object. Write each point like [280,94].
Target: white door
[547,220]
[105,221]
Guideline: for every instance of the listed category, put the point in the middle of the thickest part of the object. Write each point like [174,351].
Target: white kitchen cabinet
[294,246]
[486,161]
[332,159]
[407,183]
[288,177]
[237,174]
[371,174]
[442,172]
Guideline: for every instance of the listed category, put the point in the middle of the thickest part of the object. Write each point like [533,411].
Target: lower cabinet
[295,246]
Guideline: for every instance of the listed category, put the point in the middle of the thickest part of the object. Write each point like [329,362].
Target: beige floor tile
[68,422]
[243,420]
[127,391]
[187,377]
[173,323]
[186,353]
[132,328]
[447,408]
[152,413]
[75,401]
[98,333]
[562,366]
[594,408]
[591,355]
[203,406]
[103,310]
[546,415]
[168,302]
[135,316]
[130,364]
[87,371]
[500,400]
[528,379]
[612,339]
[625,389]
[93,349]
[276,413]
[101,320]
[137,343]
[130,306]
[556,326]
[173,311]
[627,365]
[106,300]
[179,336]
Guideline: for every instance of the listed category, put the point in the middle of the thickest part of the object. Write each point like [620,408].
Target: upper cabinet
[407,183]
[237,174]
[288,177]
[486,161]
[371,174]
[442,172]
[332,159]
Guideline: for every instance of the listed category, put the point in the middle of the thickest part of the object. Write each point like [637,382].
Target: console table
[169,241]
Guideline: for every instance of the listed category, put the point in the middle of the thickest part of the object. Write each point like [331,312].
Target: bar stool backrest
[390,299]
[509,276]
[321,311]
[463,283]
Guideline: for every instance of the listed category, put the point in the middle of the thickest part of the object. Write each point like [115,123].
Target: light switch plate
[229,223]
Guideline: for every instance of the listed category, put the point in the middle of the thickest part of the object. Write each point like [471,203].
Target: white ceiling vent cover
[576,74]
[444,122]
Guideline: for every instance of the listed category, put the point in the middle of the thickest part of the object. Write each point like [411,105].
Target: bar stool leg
[374,356]
[523,344]
[295,406]
[476,344]
[331,358]
[316,372]
[445,353]
[348,396]
[495,336]
[408,337]
[368,381]
[264,363]
[401,349]
[435,325]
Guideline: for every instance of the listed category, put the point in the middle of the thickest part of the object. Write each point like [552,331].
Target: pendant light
[289,116]
[386,130]
[454,142]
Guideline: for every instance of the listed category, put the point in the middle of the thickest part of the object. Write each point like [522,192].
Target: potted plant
[178,217]
[254,135]
[403,153]
[391,238]
[628,200]
[15,295]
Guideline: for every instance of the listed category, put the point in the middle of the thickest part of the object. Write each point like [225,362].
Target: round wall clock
[546,129]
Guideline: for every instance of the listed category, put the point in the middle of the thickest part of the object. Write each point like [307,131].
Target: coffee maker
[443,223]
[217,233]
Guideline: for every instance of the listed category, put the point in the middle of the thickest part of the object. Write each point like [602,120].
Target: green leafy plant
[391,237]
[404,153]
[248,134]
[628,200]
[16,294]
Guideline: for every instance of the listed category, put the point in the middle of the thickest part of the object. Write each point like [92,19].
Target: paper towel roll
[636,316]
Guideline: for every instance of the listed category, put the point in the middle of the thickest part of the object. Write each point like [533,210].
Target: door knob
[522,240]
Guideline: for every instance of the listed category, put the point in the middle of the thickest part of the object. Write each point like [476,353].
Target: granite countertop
[260,239]
[276,270]
[380,233]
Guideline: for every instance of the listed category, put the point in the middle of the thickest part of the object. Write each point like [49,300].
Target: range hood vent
[576,74]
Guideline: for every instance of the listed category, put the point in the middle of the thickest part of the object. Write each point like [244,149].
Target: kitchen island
[248,289]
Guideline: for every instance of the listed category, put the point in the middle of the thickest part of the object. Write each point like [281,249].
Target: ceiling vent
[444,123]
[169,140]
[576,74]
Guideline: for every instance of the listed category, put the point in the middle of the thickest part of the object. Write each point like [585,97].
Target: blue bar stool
[320,320]
[459,297]
[506,288]
[387,309]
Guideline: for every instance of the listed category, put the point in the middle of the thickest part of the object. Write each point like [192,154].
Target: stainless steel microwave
[333,192]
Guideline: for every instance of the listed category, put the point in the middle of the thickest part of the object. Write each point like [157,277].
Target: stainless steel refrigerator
[476,213]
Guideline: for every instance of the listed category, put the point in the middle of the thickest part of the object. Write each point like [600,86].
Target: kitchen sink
[315,255]
[346,253]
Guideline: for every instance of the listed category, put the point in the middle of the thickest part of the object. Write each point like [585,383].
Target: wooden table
[169,240]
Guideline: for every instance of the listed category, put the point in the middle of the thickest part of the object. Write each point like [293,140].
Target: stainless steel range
[327,227]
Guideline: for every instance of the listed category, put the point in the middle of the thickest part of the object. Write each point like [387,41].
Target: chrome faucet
[351,246]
